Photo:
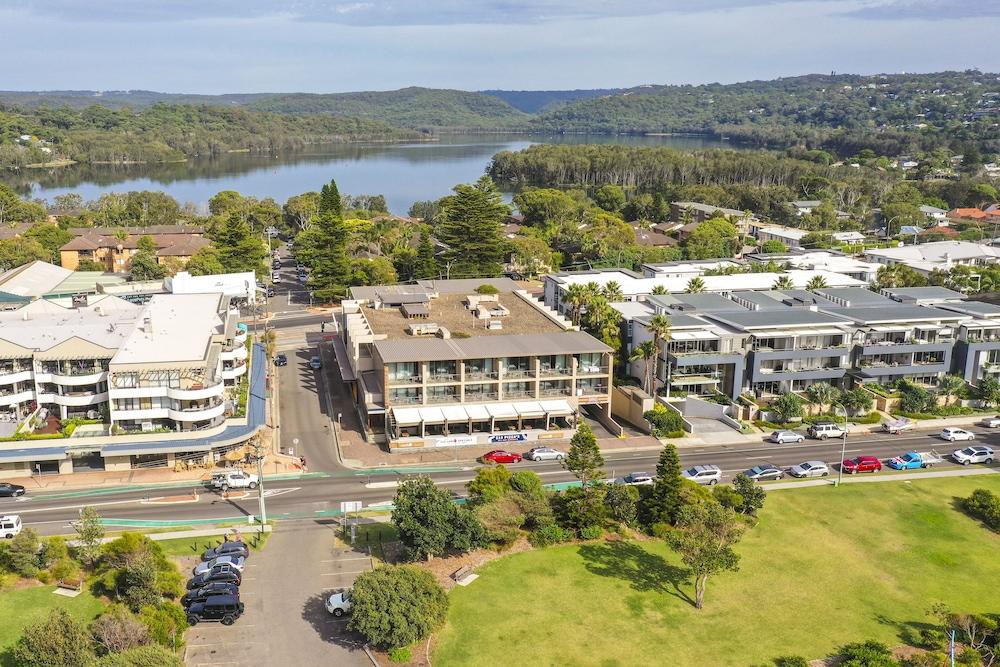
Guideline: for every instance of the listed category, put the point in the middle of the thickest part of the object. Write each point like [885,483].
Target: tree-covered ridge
[408,107]
[169,132]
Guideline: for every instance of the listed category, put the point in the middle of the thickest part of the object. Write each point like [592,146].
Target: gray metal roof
[896,313]
[438,349]
[705,302]
[977,308]
[801,297]
[853,297]
[789,317]
[922,293]
[767,300]
[33,454]
[677,321]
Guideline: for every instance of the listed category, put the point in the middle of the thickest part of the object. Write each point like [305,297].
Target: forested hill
[408,107]
[534,101]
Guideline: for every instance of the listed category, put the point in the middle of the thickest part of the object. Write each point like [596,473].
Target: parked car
[234,479]
[8,490]
[233,548]
[10,526]
[270,292]
[703,474]
[914,460]
[765,472]
[339,604]
[977,454]
[861,464]
[991,422]
[544,454]
[638,479]
[281,360]
[824,430]
[221,573]
[223,608]
[236,562]
[897,426]
[205,592]
[951,434]
[275,278]
[501,456]
[781,437]
[809,469]
[276,264]
[315,363]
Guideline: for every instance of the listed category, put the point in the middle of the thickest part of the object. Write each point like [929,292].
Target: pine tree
[664,502]
[584,458]
[426,266]
[239,249]
[471,227]
[331,266]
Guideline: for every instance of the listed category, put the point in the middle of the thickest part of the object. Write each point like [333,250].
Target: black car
[224,572]
[8,490]
[281,360]
[223,608]
[207,591]
[270,292]
[227,549]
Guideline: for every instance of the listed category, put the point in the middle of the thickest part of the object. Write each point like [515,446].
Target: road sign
[351,506]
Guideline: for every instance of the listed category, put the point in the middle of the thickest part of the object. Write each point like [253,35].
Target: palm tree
[576,296]
[950,385]
[784,282]
[695,286]
[659,327]
[647,352]
[659,289]
[613,292]
[821,393]
[817,282]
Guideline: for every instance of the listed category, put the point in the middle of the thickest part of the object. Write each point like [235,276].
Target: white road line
[340,574]
[342,560]
[73,507]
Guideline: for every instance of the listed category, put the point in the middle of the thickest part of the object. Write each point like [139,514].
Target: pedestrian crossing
[295,338]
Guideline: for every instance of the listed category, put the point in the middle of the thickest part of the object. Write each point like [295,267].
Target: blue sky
[213,46]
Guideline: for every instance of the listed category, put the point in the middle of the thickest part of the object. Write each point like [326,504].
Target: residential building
[699,213]
[806,206]
[439,365]
[686,269]
[820,260]
[114,248]
[943,255]
[967,214]
[933,213]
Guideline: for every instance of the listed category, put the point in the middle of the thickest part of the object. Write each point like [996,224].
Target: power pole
[259,455]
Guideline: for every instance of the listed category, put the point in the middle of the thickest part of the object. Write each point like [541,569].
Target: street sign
[351,506]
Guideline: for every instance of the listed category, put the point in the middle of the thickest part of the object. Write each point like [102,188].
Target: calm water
[404,173]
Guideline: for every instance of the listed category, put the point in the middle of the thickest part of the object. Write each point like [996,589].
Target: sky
[228,46]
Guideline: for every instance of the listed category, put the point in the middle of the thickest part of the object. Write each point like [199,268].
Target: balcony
[237,353]
[405,400]
[405,379]
[564,391]
[15,375]
[11,397]
[196,391]
[481,376]
[555,372]
[510,395]
[586,369]
[442,398]
[443,378]
[240,338]
[516,373]
[199,413]
[597,390]
[72,375]
[74,399]
[235,372]
[481,397]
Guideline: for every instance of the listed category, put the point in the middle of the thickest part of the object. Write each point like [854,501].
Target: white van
[10,526]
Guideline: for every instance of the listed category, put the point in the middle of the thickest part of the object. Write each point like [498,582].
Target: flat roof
[631,284]
[182,329]
[923,293]
[42,325]
[773,319]
[468,285]
[854,297]
[706,302]
[86,281]
[765,300]
[978,308]
[34,279]
[678,321]
[438,349]
[896,313]
[450,311]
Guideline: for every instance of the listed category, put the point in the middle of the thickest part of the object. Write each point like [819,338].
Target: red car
[501,456]
[861,464]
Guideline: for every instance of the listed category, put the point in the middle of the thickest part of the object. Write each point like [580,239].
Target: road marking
[73,507]
[340,574]
[341,560]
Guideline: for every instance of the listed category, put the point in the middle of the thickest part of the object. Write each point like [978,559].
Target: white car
[234,479]
[237,562]
[810,469]
[339,604]
[781,437]
[991,422]
[544,454]
[976,454]
[638,479]
[703,474]
[952,434]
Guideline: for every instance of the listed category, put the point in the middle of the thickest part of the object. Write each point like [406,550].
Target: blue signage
[509,437]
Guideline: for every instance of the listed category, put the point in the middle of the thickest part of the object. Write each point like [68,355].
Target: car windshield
[968,451]
[756,470]
[691,471]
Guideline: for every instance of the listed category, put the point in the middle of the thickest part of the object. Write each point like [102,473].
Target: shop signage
[509,437]
[455,441]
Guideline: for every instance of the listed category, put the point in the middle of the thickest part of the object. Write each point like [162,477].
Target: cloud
[376,12]
[927,10]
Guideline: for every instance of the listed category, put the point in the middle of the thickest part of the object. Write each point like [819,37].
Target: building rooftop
[450,310]
[897,313]
[702,302]
[708,208]
[173,328]
[922,294]
[855,297]
[765,300]
[678,321]
[33,279]
[928,256]
[86,282]
[43,325]
[976,308]
[632,284]
[468,285]
[437,349]
[776,319]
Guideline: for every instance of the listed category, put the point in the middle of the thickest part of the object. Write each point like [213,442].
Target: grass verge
[825,566]
[25,606]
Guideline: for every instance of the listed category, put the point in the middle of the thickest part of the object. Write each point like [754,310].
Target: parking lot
[284,590]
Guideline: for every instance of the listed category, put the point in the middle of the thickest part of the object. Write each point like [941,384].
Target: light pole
[843,447]
[259,455]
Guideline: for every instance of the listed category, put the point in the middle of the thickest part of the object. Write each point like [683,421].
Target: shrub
[867,654]
[143,656]
[395,606]
[575,509]
[53,549]
[401,656]
[487,289]
[548,535]
[665,423]
[622,502]
[791,661]
[985,506]
[728,497]
[591,532]
[65,569]
[166,622]
[527,482]
[118,629]
[502,520]
[23,553]
[58,640]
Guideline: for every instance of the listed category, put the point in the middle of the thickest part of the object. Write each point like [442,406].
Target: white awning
[823,332]
[455,413]
[502,411]
[477,412]
[556,408]
[431,415]
[693,335]
[764,333]
[928,327]
[406,416]
[529,409]
[896,327]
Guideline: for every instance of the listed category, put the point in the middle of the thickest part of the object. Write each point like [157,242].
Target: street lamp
[843,446]
[258,455]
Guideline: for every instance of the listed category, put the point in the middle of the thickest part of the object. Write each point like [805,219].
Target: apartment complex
[114,247]
[445,363]
[161,376]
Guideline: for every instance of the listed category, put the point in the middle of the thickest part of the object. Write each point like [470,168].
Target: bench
[461,573]
[70,584]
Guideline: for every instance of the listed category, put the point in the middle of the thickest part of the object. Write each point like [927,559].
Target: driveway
[284,590]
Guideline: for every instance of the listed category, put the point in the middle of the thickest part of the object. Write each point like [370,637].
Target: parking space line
[339,574]
[341,560]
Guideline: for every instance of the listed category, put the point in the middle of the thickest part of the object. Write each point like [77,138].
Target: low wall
[481,439]
[630,404]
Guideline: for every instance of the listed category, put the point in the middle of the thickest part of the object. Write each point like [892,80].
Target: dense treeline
[169,132]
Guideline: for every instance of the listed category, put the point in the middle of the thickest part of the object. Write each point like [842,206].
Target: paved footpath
[861,478]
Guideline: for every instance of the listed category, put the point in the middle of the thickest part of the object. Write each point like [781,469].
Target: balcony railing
[442,398]
[595,370]
[512,373]
[74,370]
[405,400]
[480,375]
[443,377]
[518,394]
[565,391]
[481,397]
[554,372]
[406,379]
[591,391]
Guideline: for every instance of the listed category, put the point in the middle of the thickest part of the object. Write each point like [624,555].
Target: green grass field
[824,567]
[20,608]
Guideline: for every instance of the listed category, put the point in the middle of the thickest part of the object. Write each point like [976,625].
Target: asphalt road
[319,496]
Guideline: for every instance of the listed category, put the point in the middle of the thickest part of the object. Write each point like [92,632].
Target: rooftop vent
[443,332]
[495,325]
[423,329]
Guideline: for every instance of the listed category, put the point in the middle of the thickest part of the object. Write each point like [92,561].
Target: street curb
[130,488]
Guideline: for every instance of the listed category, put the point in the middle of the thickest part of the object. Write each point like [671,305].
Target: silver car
[703,474]
[809,469]
[544,454]
[976,454]
[781,437]
[765,472]
[236,562]
[638,479]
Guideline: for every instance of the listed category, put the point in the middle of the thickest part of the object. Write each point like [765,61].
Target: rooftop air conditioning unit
[495,325]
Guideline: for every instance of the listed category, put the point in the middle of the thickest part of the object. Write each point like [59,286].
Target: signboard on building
[456,441]
[508,437]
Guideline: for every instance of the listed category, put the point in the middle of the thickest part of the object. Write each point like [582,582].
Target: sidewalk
[891,477]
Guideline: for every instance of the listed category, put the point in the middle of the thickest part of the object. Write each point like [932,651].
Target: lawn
[195,546]
[824,567]
[371,534]
[19,608]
